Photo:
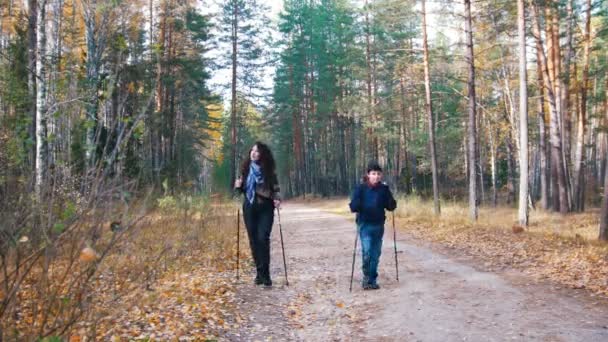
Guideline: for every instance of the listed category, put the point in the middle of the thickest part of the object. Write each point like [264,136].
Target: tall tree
[579,155]
[542,144]
[472,121]
[560,193]
[96,16]
[243,25]
[32,29]
[523,115]
[41,96]
[429,112]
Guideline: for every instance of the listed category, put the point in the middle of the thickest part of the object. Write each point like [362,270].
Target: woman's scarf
[254,177]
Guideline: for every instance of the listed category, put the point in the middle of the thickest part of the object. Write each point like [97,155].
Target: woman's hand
[238,183]
[277,203]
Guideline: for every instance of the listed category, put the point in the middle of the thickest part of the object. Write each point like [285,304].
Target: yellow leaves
[131,87]
[340,305]
[215,131]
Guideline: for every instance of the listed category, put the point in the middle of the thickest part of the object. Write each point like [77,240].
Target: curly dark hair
[266,162]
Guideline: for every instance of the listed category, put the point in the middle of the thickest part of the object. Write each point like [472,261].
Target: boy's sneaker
[374,286]
[258,280]
[366,286]
[267,282]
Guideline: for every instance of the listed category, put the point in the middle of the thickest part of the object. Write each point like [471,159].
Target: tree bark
[373,152]
[579,156]
[93,64]
[31,79]
[233,121]
[604,213]
[523,117]
[560,200]
[41,96]
[429,112]
[472,148]
[544,188]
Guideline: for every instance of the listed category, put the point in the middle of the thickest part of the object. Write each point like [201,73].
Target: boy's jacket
[369,203]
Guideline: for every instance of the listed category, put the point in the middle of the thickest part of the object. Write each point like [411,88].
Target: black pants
[258,217]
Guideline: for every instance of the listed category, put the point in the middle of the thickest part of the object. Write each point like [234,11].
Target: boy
[369,200]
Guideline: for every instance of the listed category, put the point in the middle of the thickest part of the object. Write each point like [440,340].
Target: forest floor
[458,281]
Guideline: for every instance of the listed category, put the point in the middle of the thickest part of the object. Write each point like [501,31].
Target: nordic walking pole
[352,271]
[238,241]
[395,245]
[238,235]
[282,246]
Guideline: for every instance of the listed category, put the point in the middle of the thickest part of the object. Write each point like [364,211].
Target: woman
[259,183]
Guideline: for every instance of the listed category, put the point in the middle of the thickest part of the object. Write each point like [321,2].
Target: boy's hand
[238,183]
[277,203]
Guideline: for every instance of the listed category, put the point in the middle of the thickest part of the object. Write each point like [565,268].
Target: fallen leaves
[182,307]
[542,251]
[173,281]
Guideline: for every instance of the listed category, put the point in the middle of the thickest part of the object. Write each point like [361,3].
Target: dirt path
[437,299]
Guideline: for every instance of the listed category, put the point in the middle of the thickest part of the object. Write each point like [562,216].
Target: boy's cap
[373,166]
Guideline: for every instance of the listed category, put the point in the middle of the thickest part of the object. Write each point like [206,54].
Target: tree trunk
[92,68]
[55,65]
[472,150]
[511,169]
[565,80]
[41,88]
[523,117]
[492,162]
[511,140]
[604,213]
[233,142]
[297,139]
[372,153]
[560,200]
[429,112]
[544,189]
[579,156]
[31,79]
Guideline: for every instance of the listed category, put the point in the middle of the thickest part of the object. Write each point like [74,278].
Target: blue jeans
[371,247]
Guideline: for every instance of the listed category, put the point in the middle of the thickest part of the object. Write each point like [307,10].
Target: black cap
[373,166]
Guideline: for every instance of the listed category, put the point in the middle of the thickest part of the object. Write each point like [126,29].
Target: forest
[123,113]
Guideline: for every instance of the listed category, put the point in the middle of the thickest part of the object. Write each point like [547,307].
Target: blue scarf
[254,177]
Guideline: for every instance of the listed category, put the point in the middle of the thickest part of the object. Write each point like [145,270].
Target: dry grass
[562,248]
[178,272]
[169,276]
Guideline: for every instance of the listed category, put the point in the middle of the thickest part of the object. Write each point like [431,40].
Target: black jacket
[369,203]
